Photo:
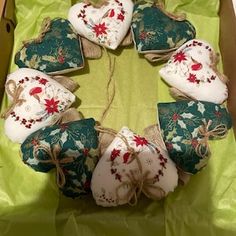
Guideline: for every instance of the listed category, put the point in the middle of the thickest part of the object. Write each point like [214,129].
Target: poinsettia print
[127,164]
[51,106]
[106,25]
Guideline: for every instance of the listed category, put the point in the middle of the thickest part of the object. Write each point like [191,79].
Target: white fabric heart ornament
[37,100]
[192,70]
[120,176]
[107,25]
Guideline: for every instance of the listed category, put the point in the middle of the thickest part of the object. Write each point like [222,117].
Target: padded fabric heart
[57,50]
[186,127]
[154,31]
[107,25]
[192,70]
[71,147]
[129,166]
[37,101]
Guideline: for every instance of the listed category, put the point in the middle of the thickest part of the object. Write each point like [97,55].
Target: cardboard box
[7,25]
[227,45]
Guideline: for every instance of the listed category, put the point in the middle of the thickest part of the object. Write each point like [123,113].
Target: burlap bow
[53,153]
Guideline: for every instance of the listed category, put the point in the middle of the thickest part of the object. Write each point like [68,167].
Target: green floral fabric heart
[154,31]
[71,147]
[56,50]
[186,127]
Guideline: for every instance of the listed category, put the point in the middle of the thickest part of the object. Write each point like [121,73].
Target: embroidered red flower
[218,114]
[196,66]
[179,57]
[175,117]
[192,78]
[140,141]
[100,29]
[114,154]
[51,106]
[43,81]
[120,17]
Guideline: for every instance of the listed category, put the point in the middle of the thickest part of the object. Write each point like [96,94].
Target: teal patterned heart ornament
[186,127]
[71,148]
[57,50]
[155,31]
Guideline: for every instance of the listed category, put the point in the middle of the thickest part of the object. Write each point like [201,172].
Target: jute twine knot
[220,131]
[138,182]
[215,57]
[46,27]
[15,92]
[53,153]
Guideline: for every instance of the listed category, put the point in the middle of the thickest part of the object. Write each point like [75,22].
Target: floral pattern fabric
[192,70]
[154,31]
[42,101]
[77,140]
[59,52]
[107,25]
[180,124]
[117,175]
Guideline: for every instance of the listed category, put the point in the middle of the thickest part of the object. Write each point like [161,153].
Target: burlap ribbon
[46,27]
[161,55]
[179,95]
[138,182]
[15,92]
[66,82]
[97,3]
[90,49]
[215,57]
[220,131]
[53,153]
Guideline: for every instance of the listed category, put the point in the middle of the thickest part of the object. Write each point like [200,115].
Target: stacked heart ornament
[107,25]
[192,70]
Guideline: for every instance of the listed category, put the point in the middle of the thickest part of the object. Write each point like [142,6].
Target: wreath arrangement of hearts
[117,167]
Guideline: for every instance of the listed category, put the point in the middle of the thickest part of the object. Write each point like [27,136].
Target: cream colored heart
[192,70]
[107,25]
[37,101]
[130,166]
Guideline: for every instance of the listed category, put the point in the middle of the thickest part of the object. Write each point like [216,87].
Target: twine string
[53,153]
[220,131]
[15,92]
[46,27]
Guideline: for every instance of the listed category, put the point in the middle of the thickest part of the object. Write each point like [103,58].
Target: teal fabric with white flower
[186,127]
[153,30]
[73,146]
[56,50]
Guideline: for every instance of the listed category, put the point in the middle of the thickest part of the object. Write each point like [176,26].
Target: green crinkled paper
[30,202]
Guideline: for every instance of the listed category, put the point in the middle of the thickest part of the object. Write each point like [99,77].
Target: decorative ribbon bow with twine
[15,93]
[220,131]
[138,182]
[54,160]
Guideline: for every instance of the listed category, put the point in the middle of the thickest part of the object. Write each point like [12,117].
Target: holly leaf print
[176,139]
[54,132]
[64,137]
[190,103]
[201,107]
[181,124]
[195,132]
[177,147]
[187,115]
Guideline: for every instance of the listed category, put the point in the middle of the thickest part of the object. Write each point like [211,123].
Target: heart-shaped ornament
[192,70]
[154,31]
[57,50]
[37,101]
[186,127]
[71,148]
[107,25]
[129,166]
